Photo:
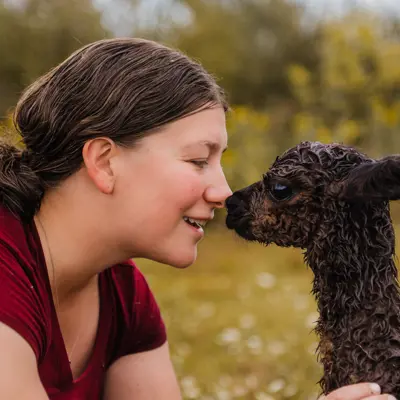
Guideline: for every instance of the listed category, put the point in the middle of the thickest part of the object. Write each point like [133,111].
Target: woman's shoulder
[19,241]
[143,327]
[128,279]
[23,291]
[12,230]
[131,290]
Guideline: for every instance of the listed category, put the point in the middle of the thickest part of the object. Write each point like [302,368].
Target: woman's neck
[77,243]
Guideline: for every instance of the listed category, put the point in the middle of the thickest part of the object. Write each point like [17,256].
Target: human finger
[381,397]
[356,391]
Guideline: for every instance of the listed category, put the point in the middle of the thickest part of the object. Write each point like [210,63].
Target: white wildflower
[254,343]
[301,303]
[276,385]
[225,380]
[239,391]
[251,381]
[311,320]
[290,390]
[265,280]
[263,396]
[276,348]
[183,349]
[223,394]
[247,321]
[312,348]
[206,310]
[230,335]
[190,387]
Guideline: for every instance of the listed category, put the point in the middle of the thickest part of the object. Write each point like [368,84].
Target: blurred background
[240,320]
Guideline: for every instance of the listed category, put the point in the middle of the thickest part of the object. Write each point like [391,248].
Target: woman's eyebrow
[213,146]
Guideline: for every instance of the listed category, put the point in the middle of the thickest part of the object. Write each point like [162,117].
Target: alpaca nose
[233,203]
[237,201]
[238,217]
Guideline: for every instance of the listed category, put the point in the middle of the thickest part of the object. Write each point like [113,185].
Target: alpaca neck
[355,285]
[353,265]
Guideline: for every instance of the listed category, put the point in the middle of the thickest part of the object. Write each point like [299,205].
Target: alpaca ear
[375,181]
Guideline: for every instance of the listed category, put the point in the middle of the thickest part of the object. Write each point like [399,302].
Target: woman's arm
[19,377]
[143,376]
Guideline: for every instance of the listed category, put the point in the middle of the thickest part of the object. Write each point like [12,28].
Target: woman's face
[169,185]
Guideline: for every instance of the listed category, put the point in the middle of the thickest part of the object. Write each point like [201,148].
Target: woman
[123,159]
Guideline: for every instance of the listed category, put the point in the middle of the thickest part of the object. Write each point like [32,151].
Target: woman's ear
[97,156]
[374,181]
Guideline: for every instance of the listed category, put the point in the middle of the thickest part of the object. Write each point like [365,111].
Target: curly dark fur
[337,211]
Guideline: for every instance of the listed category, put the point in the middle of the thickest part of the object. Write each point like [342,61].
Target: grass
[240,321]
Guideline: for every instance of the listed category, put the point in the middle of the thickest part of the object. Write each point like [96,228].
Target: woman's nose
[218,192]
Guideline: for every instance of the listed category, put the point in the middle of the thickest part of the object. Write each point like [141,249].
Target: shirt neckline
[95,356]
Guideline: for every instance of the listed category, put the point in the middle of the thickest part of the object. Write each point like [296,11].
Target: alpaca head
[309,186]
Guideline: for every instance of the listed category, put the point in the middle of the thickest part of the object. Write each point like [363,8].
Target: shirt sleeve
[20,307]
[147,327]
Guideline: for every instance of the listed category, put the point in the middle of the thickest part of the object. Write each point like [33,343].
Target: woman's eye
[281,192]
[200,163]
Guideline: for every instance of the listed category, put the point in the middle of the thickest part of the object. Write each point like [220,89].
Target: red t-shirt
[129,321]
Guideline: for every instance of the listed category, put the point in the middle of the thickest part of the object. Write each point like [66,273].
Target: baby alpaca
[332,202]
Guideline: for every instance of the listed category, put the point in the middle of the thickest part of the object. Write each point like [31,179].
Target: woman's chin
[182,263]
[177,255]
[180,260]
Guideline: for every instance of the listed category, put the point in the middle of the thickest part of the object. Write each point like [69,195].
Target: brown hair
[121,88]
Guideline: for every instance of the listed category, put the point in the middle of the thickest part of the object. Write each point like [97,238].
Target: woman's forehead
[206,128]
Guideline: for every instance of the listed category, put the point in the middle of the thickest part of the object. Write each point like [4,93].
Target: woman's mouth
[196,223]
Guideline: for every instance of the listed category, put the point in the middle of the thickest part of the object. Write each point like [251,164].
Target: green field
[240,321]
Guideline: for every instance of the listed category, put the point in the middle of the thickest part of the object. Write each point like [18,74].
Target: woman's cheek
[194,186]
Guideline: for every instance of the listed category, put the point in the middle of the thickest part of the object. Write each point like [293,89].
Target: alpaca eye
[280,192]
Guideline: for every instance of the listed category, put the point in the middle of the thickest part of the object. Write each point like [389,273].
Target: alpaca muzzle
[239,218]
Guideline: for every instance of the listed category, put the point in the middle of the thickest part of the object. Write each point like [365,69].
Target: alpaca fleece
[333,202]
